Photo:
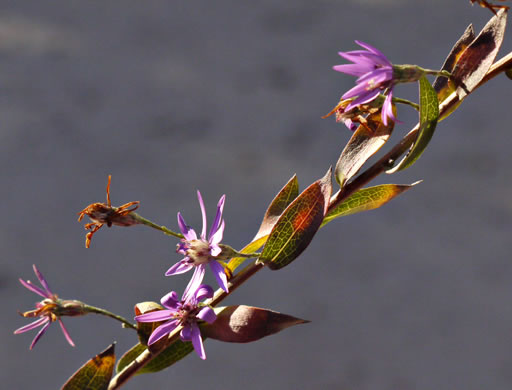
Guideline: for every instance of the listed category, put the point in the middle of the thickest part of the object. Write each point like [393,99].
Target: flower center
[198,251]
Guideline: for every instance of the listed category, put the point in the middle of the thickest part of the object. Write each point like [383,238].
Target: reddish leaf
[283,198]
[476,60]
[443,86]
[243,324]
[296,227]
[95,374]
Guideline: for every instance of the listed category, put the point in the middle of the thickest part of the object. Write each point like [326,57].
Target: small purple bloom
[201,251]
[186,313]
[45,309]
[375,74]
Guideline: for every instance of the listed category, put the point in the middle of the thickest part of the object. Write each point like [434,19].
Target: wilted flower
[375,74]
[184,313]
[48,310]
[356,114]
[101,213]
[200,251]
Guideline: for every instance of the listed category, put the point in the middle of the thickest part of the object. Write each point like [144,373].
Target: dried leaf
[363,144]
[476,60]
[95,374]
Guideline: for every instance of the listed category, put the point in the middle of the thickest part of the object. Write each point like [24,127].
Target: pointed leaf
[173,353]
[243,324]
[366,199]
[429,114]
[363,144]
[281,201]
[296,227]
[95,374]
[443,86]
[476,60]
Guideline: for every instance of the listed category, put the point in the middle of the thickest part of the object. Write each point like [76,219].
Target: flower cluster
[199,251]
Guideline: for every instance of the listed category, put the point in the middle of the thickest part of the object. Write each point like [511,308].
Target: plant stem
[97,310]
[385,163]
[147,222]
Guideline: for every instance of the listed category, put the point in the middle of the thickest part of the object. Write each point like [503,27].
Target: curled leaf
[298,224]
[95,374]
[443,86]
[244,324]
[478,57]
[363,144]
[429,115]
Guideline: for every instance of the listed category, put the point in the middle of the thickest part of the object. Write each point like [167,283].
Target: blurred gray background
[226,97]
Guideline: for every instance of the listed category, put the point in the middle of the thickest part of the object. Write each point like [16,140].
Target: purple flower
[186,313]
[200,251]
[375,74]
[46,310]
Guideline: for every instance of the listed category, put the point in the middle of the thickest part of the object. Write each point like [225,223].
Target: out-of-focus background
[226,97]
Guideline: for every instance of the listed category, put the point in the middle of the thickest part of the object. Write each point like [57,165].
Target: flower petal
[203,214]
[42,280]
[387,109]
[35,289]
[197,340]
[207,314]
[364,98]
[218,216]
[220,275]
[180,267]
[194,283]
[217,238]
[66,333]
[39,334]
[162,330]
[156,316]
[170,300]
[32,325]
[204,291]
[187,232]
[373,50]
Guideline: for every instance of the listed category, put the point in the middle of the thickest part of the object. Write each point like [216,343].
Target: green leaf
[95,374]
[244,324]
[281,201]
[363,144]
[478,57]
[173,353]
[429,114]
[296,227]
[366,199]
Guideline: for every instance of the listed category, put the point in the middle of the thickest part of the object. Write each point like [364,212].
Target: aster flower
[375,74]
[201,251]
[48,310]
[184,313]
